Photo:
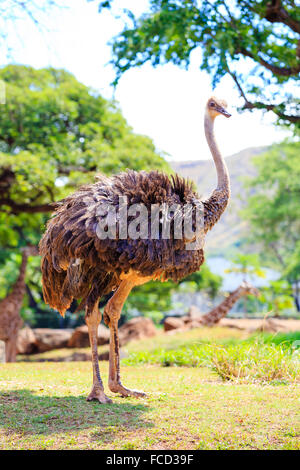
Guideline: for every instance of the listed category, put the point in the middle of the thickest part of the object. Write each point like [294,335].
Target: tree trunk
[297,303]
[296,296]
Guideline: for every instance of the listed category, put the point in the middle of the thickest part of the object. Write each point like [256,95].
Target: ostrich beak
[223,111]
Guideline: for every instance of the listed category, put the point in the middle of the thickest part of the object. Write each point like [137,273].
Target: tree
[274,211]
[277,296]
[255,42]
[247,265]
[13,11]
[204,280]
[55,134]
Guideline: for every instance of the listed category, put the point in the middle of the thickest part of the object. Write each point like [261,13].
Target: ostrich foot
[98,394]
[125,392]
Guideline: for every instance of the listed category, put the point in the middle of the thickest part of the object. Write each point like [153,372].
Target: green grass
[249,363]
[291,339]
[208,406]
[263,357]
[257,362]
[43,407]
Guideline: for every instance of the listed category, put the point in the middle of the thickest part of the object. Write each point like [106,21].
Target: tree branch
[275,13]
[260,105]
[277,254]
[18,208]
[242,93]
[274,108]
[284,71]
[66,170]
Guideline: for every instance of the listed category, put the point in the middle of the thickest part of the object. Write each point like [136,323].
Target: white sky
[165,103]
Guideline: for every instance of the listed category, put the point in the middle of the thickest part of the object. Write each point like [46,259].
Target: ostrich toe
[99,395]
[126,392]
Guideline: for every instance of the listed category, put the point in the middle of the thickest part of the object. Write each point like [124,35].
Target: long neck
[222,172]
[221,310]
[218,201]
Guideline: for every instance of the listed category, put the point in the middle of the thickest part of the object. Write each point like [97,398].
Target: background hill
[231,230]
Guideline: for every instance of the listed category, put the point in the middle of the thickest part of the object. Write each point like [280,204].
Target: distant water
[231,281]
[182,300]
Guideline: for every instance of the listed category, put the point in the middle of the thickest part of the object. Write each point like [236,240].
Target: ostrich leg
[92,319]
[112,313]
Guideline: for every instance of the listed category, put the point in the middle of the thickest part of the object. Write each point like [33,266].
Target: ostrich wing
[72,265]
[76,263]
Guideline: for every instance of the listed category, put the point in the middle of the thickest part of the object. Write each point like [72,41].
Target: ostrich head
[249,289]
[215,107]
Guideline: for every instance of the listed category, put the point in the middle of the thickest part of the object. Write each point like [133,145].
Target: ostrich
[10,306]
[77,264]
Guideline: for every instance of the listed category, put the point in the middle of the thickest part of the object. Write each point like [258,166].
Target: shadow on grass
[23,411]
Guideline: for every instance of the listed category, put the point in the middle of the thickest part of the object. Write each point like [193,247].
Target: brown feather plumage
[76,264]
